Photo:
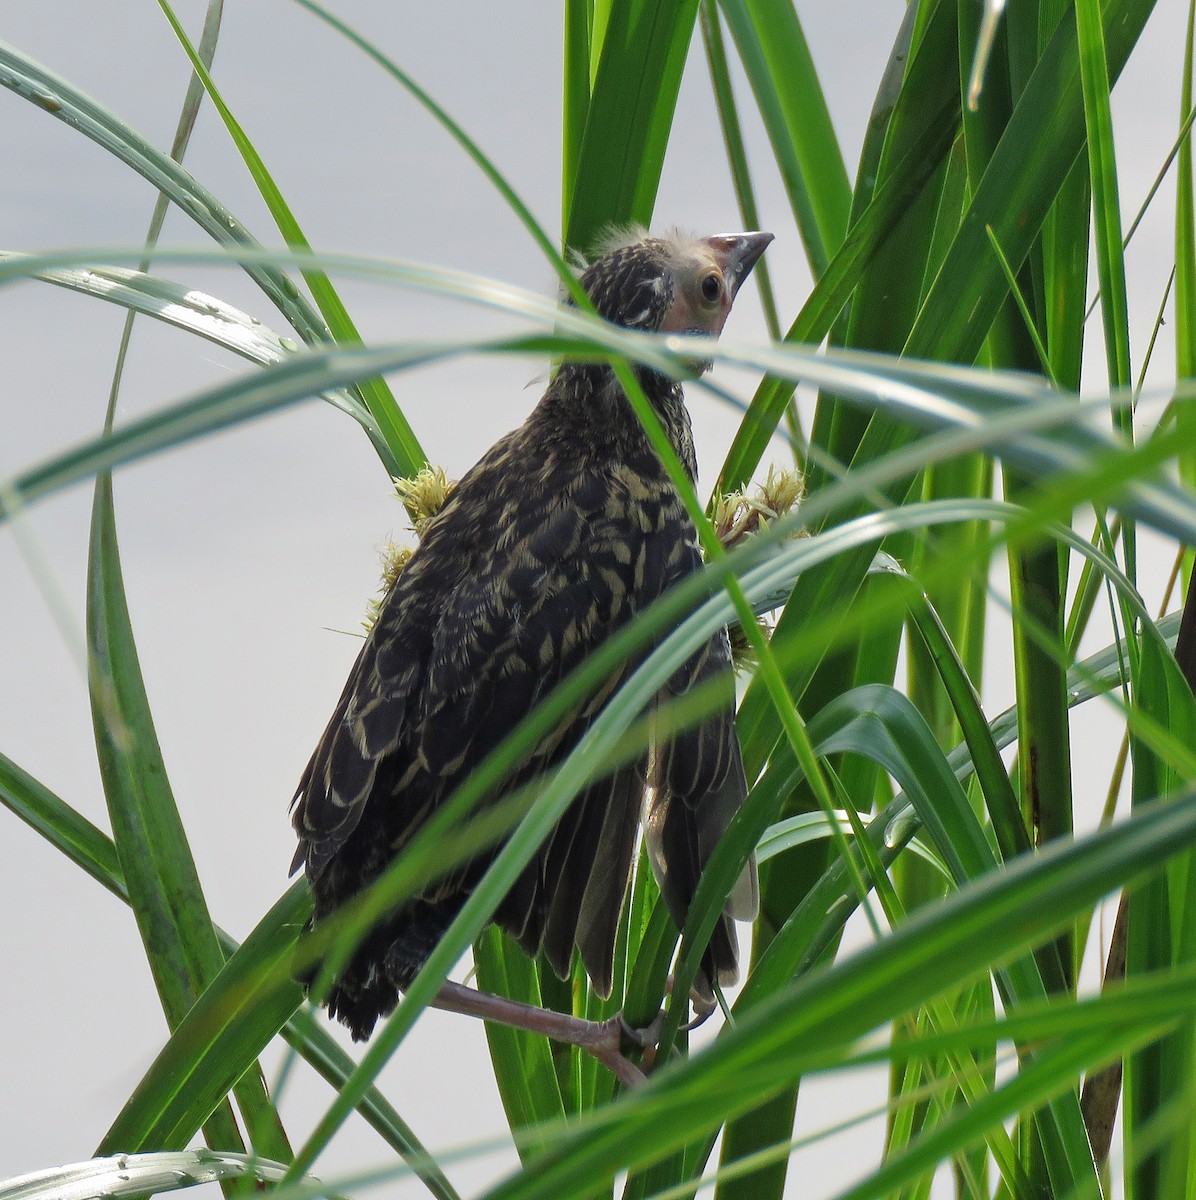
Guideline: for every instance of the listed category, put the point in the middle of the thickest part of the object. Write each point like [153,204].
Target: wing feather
[480,626]
[697,785]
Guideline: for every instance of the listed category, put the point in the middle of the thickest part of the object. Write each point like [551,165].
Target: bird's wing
[514,585]
[533,615]
[697,785]
[573,893]
[355,758]
[363,754]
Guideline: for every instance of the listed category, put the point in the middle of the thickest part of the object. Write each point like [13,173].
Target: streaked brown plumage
[559,535]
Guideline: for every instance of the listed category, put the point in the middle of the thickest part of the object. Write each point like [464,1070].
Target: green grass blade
[741,175]
[1106,205]
[164,890]
[1028,167]
[1065,277]
[575,103]
[1000,798]
[641,55]
[1160,937]
[1001,915]
[785,83]
[523,1063]
[195,312]
[1185,263]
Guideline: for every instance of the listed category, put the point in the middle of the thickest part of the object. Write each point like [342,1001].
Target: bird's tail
[382,967]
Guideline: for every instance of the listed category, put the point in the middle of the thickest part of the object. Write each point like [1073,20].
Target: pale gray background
[242,553]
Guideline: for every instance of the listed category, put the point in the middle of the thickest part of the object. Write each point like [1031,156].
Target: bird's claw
[643,1036]
[703,1007]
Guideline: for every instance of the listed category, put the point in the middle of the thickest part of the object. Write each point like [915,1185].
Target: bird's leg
[601,1039]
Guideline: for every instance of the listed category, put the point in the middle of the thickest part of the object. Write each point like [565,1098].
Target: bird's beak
[737,254]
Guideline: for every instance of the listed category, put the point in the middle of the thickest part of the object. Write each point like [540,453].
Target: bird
[560,534]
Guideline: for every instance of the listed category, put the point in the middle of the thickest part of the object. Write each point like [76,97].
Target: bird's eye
[712,288]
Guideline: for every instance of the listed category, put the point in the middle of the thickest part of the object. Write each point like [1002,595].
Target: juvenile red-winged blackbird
[560,534]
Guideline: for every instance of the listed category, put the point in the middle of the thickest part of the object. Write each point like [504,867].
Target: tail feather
[383,966]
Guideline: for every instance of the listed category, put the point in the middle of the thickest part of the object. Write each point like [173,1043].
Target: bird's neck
[585,404]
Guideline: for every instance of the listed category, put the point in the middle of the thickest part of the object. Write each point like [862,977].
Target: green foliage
[949,286]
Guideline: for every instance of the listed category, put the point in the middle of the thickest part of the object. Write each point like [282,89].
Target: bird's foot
[606,1041]
[702,1005]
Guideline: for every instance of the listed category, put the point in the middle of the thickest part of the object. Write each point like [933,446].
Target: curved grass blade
[64,101]
[811,827]
[139,1175]
[402,445]
[163,884]
[195,312]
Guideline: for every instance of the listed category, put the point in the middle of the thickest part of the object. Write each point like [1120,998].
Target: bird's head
[672,284]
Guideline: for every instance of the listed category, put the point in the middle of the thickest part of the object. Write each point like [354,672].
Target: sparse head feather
[620,237]
[632,283]
[675,283]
